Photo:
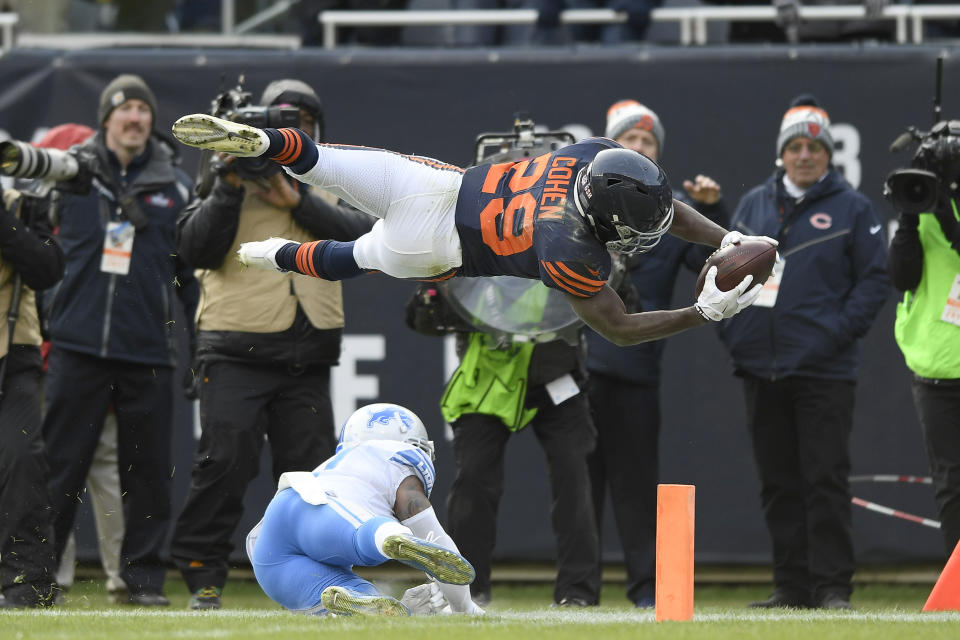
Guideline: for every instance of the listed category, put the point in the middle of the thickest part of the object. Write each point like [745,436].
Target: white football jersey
[364,473]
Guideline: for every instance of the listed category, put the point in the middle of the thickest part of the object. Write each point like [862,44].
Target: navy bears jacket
[833,286]
[123,317]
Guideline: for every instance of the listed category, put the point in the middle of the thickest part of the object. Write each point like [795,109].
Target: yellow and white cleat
[441,563]
[209,132]
[342,601]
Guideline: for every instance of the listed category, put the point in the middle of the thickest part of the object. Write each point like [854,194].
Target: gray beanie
[122,88]
[805,119]
[630,114]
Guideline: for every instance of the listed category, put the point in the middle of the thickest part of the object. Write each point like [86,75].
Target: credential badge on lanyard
[117,248]
[768,295]
[951,310]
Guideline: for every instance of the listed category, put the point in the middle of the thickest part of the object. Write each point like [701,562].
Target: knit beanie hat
[805,119]
[122,88]
[629,114]
[64,136]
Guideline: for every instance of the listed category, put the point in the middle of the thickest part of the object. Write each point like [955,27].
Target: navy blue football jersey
[520,219]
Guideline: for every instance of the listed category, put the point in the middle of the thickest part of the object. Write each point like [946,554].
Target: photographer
[29,260]
[265,342]
[924,263]
[111,324]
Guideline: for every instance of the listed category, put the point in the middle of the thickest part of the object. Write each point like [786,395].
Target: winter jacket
[123,317]
[265,316]
[27,250]
[925,265]
[834,281]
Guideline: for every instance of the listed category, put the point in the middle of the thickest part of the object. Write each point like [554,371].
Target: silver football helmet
[385,421]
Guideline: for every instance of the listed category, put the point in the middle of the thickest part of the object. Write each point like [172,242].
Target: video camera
[934,172]
[237,105]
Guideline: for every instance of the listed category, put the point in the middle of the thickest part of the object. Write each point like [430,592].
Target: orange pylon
[945,595]
[675,529]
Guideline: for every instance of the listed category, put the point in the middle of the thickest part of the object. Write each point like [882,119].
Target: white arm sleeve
[425,525]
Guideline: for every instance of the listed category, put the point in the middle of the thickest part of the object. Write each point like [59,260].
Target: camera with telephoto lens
[237,105]
[934,172]
[69,169]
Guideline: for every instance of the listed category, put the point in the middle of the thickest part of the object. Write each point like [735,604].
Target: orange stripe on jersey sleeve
[299,258]
[291,147]
[311,269]
[286,145]
[590,289]
[590,284]
[562,282]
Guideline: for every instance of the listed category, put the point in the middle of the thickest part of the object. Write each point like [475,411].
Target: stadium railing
[692,21]
[7,22]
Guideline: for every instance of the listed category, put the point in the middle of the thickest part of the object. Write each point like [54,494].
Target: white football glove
[425,600]
[262,253]
[735,237]
[716,305]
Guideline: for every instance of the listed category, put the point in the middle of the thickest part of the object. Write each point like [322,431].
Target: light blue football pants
[301,549]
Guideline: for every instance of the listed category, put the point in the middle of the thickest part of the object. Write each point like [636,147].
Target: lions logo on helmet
[386,416]
[385,421]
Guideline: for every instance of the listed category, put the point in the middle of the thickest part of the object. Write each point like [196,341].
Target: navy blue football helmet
[626,198]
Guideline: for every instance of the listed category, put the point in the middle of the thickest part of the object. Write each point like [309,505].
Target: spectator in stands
[633,30]
[789,27]
[924,262]
[797,351]
[625,381]
[265,344]
[31,260]
[112,330]
[312,30]
[487,35]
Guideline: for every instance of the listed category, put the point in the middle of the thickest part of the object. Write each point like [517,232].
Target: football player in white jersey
[367,504]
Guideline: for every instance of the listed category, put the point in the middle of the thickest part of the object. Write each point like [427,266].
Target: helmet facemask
[632,241]
[614,204]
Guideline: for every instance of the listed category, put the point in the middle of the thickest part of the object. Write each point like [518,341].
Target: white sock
[388,529]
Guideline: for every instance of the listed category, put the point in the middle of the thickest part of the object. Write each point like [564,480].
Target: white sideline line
[565,617]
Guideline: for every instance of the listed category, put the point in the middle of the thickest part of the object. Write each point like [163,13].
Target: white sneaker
[262,253]
[340,600]
[209,132]
[441,563]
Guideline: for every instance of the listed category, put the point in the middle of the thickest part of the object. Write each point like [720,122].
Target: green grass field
[519,611]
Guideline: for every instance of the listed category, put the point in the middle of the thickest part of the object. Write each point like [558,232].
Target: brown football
[736,261]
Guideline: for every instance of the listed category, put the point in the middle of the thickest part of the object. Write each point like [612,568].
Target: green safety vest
[931,347]
[493,381]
